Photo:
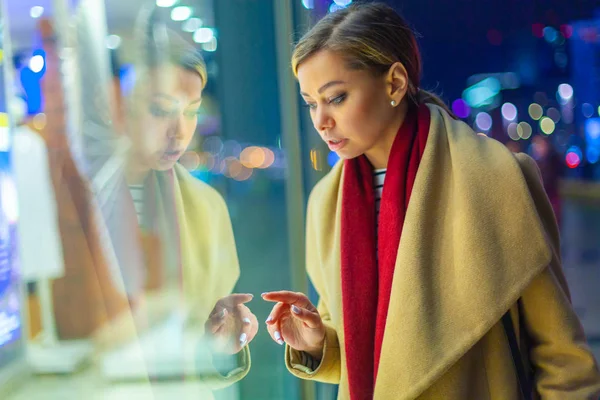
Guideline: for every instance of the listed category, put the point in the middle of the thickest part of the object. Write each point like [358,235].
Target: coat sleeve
[328,370]
[214,276]
[564,366]
[226,262]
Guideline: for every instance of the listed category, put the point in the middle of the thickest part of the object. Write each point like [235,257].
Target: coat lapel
[472,242]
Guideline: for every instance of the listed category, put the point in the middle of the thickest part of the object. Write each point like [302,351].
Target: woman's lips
[338,144]
[172,155]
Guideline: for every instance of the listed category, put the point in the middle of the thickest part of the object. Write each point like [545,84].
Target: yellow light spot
[524,130]
[39,121]
[547,125]
[315,157]
[536,111]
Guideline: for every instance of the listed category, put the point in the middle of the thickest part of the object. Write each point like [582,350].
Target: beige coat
[479,235]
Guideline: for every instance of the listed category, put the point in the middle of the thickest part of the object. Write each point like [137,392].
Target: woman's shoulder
[200,192]
[527,164]
[328,185]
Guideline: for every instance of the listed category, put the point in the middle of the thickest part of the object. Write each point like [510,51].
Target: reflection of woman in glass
[429,245]
[196,243]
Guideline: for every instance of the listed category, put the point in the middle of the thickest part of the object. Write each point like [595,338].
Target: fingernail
[263,294]
[278,338]
[295,310]
[246,321]
[269,319]
[243,338]
[223,313]
[251,295]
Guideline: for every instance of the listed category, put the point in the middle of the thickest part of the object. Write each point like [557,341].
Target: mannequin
[40,245]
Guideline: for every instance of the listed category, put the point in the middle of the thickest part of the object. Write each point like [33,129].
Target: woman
[184,224]
[421,240]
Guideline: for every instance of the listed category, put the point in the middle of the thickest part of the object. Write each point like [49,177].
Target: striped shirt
[137,194]
[378,180]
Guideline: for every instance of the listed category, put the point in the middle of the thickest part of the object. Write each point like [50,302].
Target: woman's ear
[397,82]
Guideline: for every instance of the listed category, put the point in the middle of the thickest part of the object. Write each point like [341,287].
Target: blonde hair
[370,37]
[174,49]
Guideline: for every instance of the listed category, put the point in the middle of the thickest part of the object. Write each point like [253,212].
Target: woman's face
[350,109]
[168,109]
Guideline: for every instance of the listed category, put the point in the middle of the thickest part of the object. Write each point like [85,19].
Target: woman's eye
[311,106]
[338,100]
[158,111]
[191,114]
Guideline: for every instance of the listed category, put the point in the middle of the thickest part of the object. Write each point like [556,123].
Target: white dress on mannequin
[40,243]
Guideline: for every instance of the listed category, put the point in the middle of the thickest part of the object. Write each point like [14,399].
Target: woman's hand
[231,324]
[295,320]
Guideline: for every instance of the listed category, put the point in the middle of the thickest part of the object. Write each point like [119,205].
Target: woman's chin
[347,154]
[163,165]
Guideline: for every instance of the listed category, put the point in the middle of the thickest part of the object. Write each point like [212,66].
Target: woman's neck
[136,175]
[379,154]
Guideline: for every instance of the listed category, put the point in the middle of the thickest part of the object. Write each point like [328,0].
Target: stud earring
[393,103]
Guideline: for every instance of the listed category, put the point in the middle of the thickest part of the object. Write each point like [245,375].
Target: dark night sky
[454,39]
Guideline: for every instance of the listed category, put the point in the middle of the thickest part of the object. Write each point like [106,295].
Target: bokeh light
[592,130]
[166,3]
[541,98]
[113,42]
[203,35]
[36,12]
[547,125]
[213,145]
[334,7]
[512,131]
[565,91]
[235,167]
[537,30]
[181,13]
[573,157]
[554,114]
[461,108]
[524,130]
[587,110]
[190,160]
[269,158]
[192,25]
[36,63]
[308,4]
[509,111]
[593,154]
[257,157]
[482,93]
[561,59]
[231,148]
[550,34]
[211,45]
[535,111]
[483,121]
[567,31]
[243,174]
[207,161]
[39,121]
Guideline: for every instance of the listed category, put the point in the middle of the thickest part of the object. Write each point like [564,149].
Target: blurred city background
[524,73]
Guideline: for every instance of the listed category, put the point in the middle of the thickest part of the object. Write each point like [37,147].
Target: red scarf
[367,283]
